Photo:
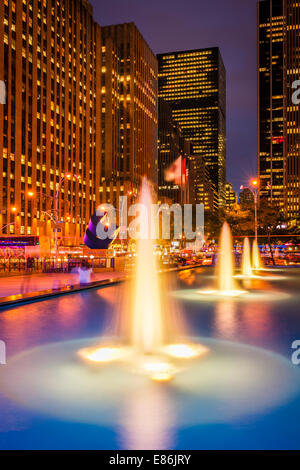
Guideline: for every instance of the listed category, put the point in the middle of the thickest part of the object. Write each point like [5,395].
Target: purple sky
[170,25]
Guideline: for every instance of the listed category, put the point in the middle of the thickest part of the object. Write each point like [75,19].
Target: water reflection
[256,320]
[251,321]
[187,277]
[59,318]
[147,419]
[230,384]
[225,319]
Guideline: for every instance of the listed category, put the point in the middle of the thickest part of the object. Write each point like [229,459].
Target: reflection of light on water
[212,296]
[147,420]
[256,277]
[104,354]
[147,320]
[221,293]
[257,320]
[225,319]
[185,351]
[224,386]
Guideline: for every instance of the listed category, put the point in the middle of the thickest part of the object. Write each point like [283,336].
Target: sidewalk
[14,285]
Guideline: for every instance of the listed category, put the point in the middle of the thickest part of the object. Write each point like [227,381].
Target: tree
[269,219]
[241,219]
[213,222]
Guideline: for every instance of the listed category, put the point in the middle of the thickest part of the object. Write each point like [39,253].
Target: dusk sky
[170,25]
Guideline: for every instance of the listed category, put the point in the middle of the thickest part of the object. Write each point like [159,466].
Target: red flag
[183,178]
[174,172]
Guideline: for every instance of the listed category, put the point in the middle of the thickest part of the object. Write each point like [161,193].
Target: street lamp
[255,186]
[55,215]
[56,200]
[254,183]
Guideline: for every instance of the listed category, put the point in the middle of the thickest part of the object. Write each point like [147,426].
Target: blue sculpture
[90,237]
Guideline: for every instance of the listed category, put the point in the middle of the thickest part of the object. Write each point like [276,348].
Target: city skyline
[81,115]
[159,24]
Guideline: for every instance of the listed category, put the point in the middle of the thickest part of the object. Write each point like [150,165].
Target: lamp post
[254,184]
[56,201]
[55,216]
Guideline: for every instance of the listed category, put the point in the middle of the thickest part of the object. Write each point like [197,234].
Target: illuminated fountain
[257,264]
[246,261]
[247,272]
[227,286]
[147,335]
[149,349]
[213,381]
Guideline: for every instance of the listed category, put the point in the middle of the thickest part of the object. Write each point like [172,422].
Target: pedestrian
[84,272]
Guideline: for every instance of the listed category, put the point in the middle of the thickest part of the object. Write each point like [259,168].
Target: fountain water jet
[150,348]
[257,264]
[147,323]
[225,270]
[246,261]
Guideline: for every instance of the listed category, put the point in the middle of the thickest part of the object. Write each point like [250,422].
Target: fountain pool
[244,393]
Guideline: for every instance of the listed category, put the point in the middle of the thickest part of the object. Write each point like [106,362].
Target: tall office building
[201,188]
[49,126]
[80,116]
[278,116]
[129,111]
[231,196]
[194,84]
[246,198]
[171,146]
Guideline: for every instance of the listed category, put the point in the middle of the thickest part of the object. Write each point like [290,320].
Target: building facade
[49,127]
[246,198]
[171,146]
[79,122]
[202,190]
[129,111]
[194,84]
[278,115]
[231,196]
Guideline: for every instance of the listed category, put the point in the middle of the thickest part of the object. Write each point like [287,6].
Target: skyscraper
[129,110]
[231,196]
[171,146]
[49,126]
[246,198]
[292,110]
[194,84]
[278,116]
[79,125]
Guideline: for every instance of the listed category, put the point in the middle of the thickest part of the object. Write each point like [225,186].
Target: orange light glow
[254,183]
[159,370]
[104,354]
[30,194]
[185,351]
[14,209]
